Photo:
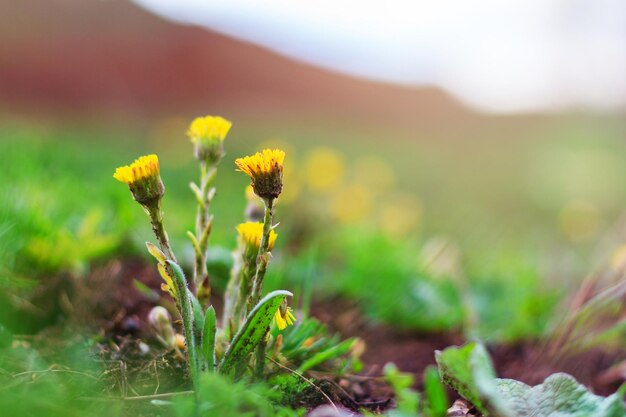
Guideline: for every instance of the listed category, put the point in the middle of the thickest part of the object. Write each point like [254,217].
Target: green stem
[156,219]
[262,258]
[203,226]
[186,313]
[246,277]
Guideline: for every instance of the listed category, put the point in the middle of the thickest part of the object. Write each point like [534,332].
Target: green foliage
[407,400]
[468,370]
[69,250]
[382,275]
[505,312]
[219,396]
[34,383]
[288,387]
[308,346]
[461,368]
[435,397]
[252,332]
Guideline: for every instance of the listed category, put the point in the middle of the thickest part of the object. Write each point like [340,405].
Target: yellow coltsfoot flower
[207,134]
[143,179]
[251,233]
[284,317]
[265,170]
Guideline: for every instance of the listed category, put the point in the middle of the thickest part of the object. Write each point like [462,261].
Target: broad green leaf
[457,370]
[208,339]
[252,331]
[468,370]
[560,395]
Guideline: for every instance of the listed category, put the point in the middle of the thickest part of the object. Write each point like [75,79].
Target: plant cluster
[240,344]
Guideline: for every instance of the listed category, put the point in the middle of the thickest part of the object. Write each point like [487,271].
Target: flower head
[251,233]
[143,178]
[284,317]
[208,134]
[265,169]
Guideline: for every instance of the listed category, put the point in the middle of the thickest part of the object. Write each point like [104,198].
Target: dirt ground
[110,301]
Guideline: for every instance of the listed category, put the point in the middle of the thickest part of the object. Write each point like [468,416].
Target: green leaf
[468,370]
[435,393]
[406,398]
[187,315]
[208,339]
[559,395]
[252,331]
[456,367]
[326,355]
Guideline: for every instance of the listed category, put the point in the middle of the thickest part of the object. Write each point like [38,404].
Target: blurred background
[476,141]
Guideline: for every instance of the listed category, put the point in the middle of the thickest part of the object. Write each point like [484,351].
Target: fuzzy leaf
[456,367]
[559,395]
[468,370]
[252,331]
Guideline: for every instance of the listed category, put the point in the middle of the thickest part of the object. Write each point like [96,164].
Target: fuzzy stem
[203,226]
[156,219]
[246,277]
[263,257]
[186,313]
[261,267]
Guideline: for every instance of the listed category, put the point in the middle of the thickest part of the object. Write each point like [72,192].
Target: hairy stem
[156,219]
[203,226]
[186,313]
[262,258]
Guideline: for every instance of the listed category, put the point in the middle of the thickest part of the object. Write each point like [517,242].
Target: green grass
[493,256]
[499,204]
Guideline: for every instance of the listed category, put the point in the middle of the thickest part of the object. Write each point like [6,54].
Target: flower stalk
[207,135]
[263,257]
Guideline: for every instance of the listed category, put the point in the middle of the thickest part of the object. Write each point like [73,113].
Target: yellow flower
[208,129]
[252,232]
[324,169]
[265,169]
[284,317]
[143,179]
[143,168]
[208,134]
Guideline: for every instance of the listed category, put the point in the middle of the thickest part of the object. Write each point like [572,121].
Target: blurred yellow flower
[579,220]
[251,233]
[208,134]
[265,169]
[284,317]
[208,129]
[399,214]
[143,168]
[618,259]
[323,169]
[351,204]
[375,172]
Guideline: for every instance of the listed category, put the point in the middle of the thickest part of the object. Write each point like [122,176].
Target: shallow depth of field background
[432,209]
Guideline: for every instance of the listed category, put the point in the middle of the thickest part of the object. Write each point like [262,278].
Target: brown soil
[122,314]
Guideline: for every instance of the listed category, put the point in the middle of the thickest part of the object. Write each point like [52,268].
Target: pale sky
[494,55]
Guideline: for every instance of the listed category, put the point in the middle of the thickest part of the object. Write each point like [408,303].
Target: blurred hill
[91,56]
